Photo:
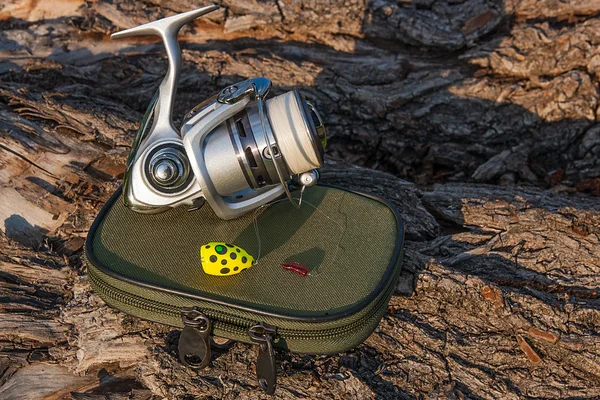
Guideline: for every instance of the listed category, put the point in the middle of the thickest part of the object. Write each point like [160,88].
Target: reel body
[236,150]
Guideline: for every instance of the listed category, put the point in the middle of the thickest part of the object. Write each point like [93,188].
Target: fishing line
[315,272]
[293,137]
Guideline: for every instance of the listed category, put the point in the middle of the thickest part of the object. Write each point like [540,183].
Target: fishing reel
[236,151]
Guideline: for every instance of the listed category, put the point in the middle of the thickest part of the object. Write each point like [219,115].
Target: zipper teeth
[224,321]
[234,324]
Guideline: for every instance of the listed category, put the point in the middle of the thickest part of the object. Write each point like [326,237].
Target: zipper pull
[266,371]
[194,341]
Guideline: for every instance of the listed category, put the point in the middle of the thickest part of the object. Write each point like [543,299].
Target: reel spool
[236,150]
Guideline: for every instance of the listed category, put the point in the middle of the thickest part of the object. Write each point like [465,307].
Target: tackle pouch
[149,266]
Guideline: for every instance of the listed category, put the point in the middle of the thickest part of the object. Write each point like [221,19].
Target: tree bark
[490,107]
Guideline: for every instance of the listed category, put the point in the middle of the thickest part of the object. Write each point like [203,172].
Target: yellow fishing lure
[222,259]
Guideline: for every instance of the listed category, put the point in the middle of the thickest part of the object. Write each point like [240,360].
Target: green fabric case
[149,266]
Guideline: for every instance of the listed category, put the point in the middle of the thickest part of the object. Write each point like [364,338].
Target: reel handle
[167,29]
[172,164]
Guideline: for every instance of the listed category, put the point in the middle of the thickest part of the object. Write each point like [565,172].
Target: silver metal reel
[167,168]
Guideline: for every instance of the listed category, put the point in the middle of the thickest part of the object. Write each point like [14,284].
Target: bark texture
[490,107]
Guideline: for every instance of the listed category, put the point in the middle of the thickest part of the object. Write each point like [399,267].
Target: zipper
[194,341]
[266,368]
[233,324]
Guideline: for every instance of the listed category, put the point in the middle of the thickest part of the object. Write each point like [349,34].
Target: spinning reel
[236,150]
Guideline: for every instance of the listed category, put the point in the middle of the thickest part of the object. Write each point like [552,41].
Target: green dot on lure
[223,259]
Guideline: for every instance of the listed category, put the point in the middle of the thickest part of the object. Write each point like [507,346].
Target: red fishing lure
[297,268]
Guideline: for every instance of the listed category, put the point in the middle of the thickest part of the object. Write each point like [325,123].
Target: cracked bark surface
[477,119]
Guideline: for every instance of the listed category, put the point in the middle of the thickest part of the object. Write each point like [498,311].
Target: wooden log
[489,107]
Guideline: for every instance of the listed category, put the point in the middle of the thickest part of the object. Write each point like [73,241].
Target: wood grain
[477,119]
